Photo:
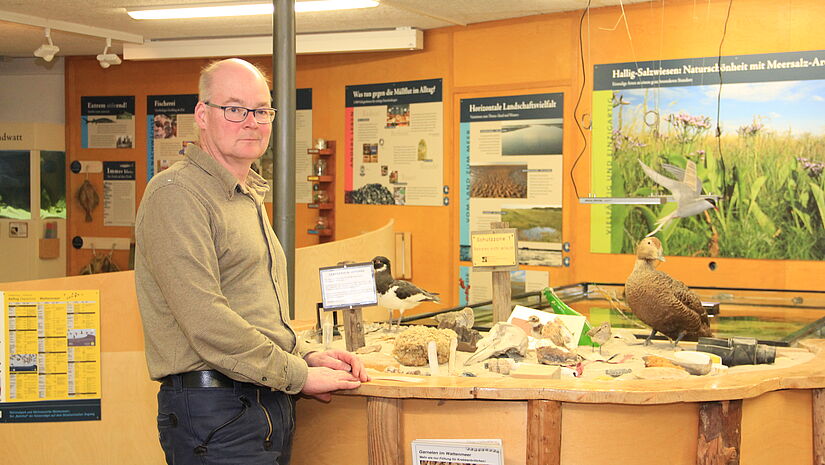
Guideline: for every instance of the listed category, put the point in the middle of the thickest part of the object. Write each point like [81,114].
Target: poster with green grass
[743,134]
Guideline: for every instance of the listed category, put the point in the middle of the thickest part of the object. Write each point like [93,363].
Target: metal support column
[283,72]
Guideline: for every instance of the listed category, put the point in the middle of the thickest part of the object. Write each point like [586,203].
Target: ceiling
[20,40]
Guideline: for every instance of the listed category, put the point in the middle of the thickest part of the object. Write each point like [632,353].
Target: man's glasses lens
[238,114]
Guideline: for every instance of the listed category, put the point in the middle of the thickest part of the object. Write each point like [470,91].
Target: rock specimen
[411,345]
[557,332]
[368,349]
[462,323]
[554,355]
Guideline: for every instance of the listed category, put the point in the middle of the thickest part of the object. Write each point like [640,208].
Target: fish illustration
[88,198]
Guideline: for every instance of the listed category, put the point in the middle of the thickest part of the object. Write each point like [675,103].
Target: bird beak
[661,258]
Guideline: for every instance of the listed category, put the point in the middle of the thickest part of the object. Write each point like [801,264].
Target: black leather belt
[199,379]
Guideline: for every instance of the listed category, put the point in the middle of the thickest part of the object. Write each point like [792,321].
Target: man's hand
[322,380]
[339,360]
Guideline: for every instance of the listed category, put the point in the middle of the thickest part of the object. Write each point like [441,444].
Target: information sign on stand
[496,250]
[349,287]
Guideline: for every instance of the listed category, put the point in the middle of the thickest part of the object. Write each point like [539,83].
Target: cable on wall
[719,93]
[586,11]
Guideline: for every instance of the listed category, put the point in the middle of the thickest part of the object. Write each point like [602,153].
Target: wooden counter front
[767,416]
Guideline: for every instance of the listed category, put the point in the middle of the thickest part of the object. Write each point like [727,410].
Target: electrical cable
[719,94]
[578,101]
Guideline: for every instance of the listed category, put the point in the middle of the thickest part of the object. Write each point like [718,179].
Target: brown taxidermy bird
[665,304]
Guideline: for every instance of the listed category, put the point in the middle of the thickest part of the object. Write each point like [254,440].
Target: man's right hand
[322,380]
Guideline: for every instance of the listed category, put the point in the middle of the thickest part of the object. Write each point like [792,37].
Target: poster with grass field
[742,138]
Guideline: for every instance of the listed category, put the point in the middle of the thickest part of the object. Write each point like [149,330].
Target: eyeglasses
[238,114]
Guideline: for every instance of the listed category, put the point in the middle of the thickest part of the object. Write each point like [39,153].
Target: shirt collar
[255,184]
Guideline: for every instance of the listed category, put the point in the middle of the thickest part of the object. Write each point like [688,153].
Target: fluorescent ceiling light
[242,9]
[331,42]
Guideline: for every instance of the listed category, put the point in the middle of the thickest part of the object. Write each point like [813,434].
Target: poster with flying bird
[655,129]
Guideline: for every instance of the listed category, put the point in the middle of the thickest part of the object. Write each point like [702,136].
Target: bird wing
[687,175]
[679,189]
[407,289]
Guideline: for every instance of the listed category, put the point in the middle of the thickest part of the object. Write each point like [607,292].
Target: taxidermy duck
[665,304]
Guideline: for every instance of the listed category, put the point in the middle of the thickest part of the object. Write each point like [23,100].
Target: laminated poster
[107,122]
[118,193]
[394,143]
[170,121]
[511,171]
[457,452]
[50,356]
[766,166]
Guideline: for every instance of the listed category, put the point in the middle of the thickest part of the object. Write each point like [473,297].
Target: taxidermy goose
[686,190]
[663,303]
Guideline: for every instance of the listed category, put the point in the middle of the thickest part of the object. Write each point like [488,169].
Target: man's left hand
[339,360]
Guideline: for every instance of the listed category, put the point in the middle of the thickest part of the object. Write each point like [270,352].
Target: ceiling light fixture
[242,9]
[108,59]
[47,51]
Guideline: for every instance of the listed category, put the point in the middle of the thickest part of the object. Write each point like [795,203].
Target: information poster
[511,171]
[51,356]
[457,452]
[477,286]
[171,127]
[764,170]
[394,143]
[118,193]
[107,122]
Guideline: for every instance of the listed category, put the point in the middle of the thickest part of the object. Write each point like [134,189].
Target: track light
[47,51]
[108,59]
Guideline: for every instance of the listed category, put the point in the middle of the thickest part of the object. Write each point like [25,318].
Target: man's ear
[200,115]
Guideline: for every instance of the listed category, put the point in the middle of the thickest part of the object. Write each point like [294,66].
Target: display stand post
[501,295]
[353,328]
[496,250]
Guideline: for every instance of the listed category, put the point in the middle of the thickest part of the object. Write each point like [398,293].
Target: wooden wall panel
[507,56]
[768,438]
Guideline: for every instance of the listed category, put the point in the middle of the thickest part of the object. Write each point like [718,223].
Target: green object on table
[561,308]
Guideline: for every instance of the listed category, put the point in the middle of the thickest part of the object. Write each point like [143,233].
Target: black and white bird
[394,294]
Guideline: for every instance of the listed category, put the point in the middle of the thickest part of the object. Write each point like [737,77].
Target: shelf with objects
[552,415]
[323,189]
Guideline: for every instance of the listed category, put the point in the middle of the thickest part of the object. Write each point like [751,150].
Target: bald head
[208,74]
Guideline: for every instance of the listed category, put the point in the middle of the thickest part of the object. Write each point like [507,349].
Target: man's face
[227,141]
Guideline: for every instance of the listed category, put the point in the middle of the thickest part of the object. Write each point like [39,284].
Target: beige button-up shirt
[211,278]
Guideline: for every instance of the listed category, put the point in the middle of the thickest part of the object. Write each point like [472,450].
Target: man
[211,285]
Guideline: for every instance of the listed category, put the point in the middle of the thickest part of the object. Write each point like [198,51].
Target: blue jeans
[240,425]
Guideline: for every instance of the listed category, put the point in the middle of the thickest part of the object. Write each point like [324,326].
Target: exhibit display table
[765,416]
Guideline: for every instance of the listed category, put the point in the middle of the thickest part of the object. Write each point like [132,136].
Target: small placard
[495,248]
[348,286]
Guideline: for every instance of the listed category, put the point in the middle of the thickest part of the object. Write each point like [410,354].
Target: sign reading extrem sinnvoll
[788,66]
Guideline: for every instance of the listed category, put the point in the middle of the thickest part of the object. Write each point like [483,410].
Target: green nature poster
[763,172]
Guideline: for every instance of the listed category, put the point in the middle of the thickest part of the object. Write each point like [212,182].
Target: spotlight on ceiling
[47,51]
[108,59]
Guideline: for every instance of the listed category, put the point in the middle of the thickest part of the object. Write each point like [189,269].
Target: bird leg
[389,322]
[400,315]
[650,338]
[681,335]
